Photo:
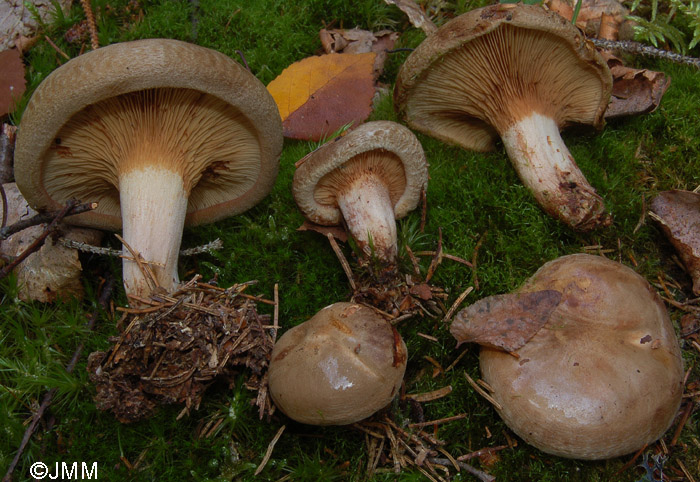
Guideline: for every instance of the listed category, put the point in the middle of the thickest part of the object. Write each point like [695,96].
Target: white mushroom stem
[546,167]
[153,205]
[369,214]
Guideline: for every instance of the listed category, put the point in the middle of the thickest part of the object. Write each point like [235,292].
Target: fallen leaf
[357,41]
[319,95]
[416,15]
[8,134]
[634,91]
[678,213]
[505,322]
[337,231]
[12,83]
[610,16]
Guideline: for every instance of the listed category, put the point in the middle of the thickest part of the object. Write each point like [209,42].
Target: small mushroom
[678,214]
[339,367]
[160,133]
[521,73]
[368,178]
[603,376]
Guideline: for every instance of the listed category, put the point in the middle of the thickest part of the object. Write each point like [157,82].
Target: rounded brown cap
[490,67]
[386,148]
[339,367]
[604,376]
[182,106]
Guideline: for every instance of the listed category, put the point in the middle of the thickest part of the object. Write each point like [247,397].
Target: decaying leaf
[319,95]
[416,15]
[505,322]
[8,135]
[12,83]
[52,272]
[596,15]
[635,91]
[357,41]
[678,214]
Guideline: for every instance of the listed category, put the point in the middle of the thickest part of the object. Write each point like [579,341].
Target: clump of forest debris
[176,346]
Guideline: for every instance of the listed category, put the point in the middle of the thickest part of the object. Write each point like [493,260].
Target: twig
[145,269]
[268,452]
[437,259]
[480,452]
[630,47]
[482,392]
[276,313]
[56,48]
[423,209]
[475,256]
[215,245]
[92,27]
[7,269]
[48,397]
[464,466]
[245,62]
[344,262]
[684,418]
[456,304]
[74,209]
[439,421]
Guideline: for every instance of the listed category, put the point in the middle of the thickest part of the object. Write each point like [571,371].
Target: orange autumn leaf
[319,95]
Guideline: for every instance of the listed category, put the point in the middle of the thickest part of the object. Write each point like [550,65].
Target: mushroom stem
[369,215]
[153,205]
[548,169]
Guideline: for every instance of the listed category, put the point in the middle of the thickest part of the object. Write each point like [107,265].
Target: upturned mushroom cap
[200,114]
[520,73]
[339,367]
[386,148]
[368,178]
[161,134]
[490,67]
[603,377]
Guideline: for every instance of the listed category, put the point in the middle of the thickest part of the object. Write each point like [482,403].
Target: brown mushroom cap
[604,376]
[199,112]
[339,367]
[386,148]
[490,67]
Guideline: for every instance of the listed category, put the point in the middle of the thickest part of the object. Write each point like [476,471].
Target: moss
[473,200]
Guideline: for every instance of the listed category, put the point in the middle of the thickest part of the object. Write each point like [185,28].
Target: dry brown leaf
[678,213]
[319,95]
[608,16]
[635,91]
[357,41]
[12,83]
[416,15]
[505,322]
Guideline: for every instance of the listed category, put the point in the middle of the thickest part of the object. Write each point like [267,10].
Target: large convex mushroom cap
[520,73]
[368,178]
[339,367]
[161,133]
[604,376]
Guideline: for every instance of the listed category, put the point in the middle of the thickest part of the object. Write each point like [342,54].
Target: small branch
[70,205]
[268,452]
[630,47]
[343,261]
[464,466]
[48,397]
[74,208]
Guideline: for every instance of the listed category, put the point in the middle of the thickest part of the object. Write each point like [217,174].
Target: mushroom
[678,214]
[368,178]
[161,133]
[339,367]
[518,72]
[602,377]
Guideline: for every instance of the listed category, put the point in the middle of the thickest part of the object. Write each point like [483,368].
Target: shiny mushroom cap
[519,73]
[368,178]
[339,367]
[603,377]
